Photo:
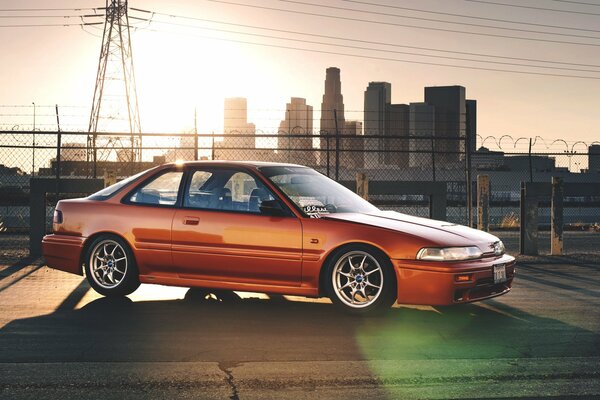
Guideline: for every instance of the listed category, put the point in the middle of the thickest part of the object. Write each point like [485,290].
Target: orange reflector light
[463,278]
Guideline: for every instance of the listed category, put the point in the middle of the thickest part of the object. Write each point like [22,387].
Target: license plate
[499,273]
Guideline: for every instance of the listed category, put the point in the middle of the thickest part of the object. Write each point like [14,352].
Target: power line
[508,21]
[404,25]
[436,20]
[372,49]
[363,41]
[49,25]
[578,2]
[386,58]
[48,9]
[532,7]
[53,16]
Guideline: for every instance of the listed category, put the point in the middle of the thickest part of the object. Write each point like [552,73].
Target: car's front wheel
[110,267]
[361,279]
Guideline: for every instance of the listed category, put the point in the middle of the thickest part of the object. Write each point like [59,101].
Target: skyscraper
[450,121]
[422,123]
[594,158]
[377,99]
[396,142]
[235,122]
[352,146]
[471,128]
[332,100]
[298,122]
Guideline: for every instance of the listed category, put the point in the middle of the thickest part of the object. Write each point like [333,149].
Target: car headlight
[449,253]
[499,248]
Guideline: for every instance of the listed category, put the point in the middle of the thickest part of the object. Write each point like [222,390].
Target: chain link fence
[37,154]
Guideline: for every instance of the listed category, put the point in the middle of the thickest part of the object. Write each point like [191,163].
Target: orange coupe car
[274,228]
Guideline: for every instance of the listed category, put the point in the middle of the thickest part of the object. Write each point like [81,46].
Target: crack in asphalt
[226,368]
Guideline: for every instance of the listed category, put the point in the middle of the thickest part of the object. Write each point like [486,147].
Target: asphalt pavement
[59,339]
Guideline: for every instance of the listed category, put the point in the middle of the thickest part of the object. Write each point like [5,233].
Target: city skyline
[179,72]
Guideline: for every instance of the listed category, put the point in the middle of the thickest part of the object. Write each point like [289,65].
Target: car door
[220,234]
[150,211]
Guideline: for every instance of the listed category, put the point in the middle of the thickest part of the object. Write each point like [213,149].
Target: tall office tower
[422,123]
[450,121]
[295,143]
[396,143]
[332,100]
[471,124]
[377,98]
[235,122]
[594,158]
[352,146]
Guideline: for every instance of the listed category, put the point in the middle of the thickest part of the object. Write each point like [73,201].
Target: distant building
[332,100]
[121,169]
[594,158]
[239,140]
[397,127]
[73,152]
[377,98]
[295,142]
[421,124]
[485,159]
[450,121]
[352,146]
[538,163]
[471,124]
[353,128]
[184,152]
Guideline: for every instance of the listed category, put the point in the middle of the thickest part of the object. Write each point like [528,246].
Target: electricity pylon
[115,103]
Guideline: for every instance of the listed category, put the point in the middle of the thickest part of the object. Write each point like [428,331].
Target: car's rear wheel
[110,267]
[361,279]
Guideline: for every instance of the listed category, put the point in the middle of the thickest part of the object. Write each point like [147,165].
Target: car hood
[439,233]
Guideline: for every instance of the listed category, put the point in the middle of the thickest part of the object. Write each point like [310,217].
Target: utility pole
[115,96]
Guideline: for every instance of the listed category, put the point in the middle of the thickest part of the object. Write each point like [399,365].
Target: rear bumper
[434,283]
[63,252]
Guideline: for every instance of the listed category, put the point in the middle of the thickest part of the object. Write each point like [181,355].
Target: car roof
[255,164]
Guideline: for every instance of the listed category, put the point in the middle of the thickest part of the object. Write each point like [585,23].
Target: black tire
[124,275]
[376,300]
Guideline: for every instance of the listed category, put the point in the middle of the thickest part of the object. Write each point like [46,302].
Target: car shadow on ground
[222,327]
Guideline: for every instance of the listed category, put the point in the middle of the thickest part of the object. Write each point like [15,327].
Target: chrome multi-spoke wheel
[360,279]
[108,263]
[110,267]
[357,279]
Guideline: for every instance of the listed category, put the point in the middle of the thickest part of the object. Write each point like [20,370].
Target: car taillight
[58,217]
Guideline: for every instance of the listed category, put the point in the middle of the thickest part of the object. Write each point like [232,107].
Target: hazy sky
[179,71]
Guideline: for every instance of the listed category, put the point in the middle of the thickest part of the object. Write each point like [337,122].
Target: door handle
[191,221]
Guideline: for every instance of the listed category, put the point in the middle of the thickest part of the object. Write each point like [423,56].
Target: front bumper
[434,283]
[63,252]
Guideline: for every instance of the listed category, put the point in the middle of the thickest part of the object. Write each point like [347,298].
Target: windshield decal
[315,211]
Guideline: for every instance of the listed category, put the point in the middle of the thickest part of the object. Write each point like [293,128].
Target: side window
[162,190]
[199,194]
[227,190]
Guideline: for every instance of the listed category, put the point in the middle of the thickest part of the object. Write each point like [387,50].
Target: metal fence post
[469,186]
[483,203]
[529,220]
[337,147]
[195,135]
[556,217]
[362,185]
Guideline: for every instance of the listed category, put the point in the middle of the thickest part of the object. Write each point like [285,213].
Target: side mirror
[272,207]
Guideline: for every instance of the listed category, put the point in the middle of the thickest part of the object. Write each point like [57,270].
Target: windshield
[314,193]
[112,189]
